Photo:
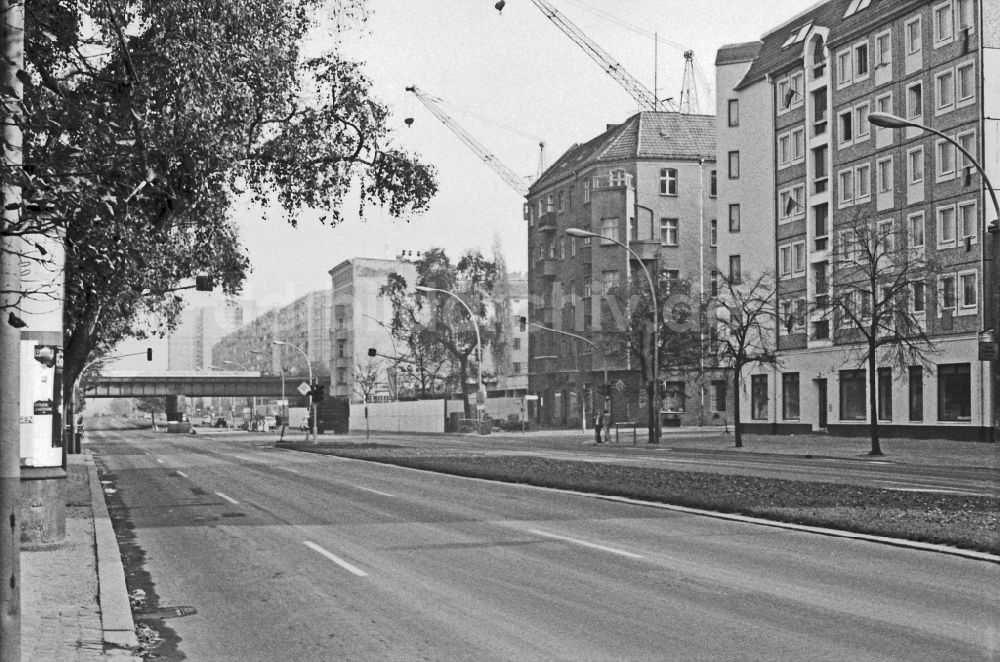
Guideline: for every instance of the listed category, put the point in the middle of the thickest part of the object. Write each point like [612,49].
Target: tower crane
[647,100]
[433,104]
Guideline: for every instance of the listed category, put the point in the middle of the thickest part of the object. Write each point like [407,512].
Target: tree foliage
[145,122]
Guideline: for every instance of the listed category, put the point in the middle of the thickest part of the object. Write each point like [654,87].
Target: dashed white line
[182,474]
[294,471]
[228,498]
[368,489]
[584,543]
[159,460]
[354,570]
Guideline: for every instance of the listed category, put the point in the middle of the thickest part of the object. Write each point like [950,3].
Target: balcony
[547,222]
[543,315]
[547,267]
[646,249]
[624,181]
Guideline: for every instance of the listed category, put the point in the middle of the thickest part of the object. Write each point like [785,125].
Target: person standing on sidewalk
[598,422]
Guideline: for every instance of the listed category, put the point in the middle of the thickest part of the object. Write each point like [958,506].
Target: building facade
[189,346]
[649,183]
[814,80]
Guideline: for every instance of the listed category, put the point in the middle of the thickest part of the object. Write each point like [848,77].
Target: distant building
[304,323]
[189,346]
[649,182]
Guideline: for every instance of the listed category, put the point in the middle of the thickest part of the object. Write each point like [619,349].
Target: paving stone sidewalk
[61,615]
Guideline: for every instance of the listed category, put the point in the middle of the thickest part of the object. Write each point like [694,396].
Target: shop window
[884,394]
[673,396]
[955,392]
[852,395]
[758,397]
[790,396]
[916,392]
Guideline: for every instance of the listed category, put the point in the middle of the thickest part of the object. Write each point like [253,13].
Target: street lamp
[479,344]
[312,403]
[394,382]
[990,312]
[654,433]
[604,362]
[253,403]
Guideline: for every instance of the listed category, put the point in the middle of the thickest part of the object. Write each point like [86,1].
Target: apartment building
[825,169]
[649,183]
[189,346]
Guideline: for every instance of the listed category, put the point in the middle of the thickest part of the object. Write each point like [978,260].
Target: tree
[437,320]
[503,321]
[366,379]
[879,285]
[745,311]
[146,122]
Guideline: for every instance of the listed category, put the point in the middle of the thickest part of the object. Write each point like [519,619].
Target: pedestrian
[607,427]
[597,428]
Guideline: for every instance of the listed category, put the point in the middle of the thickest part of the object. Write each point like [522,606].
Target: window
[883,104]
[966,15]
[668,231]
[852,395]
[609,231]
[617,177]
[798,145]
[968,142]
[735,273]
[919,300]
[861,127]
[758,397]
[790,203]
[515,367]
[915,165]
[884,396]
[967,221]
[914,36]
[946,288]
[713,232]
[562,248]
[914,101]
[785,260]
[860,61]
[586,191]
[587,290]
[714,283]
[916,392]
[944,91]
[946,225]
[968,284]
[713,184]
[965,82]
[734,165]
[734,112]
[561,203]
[915,230]
[633,229]
[341,348]
[943,27]
[516,343]
[883,173]
[795,85]
[572,246]
[862,182]
[609,280]
[883,49]
[734,218]
[549,203]
[341,376]
[668,181]
[784,149]
[845,124]
[790,396]
[846,186]
[945,160]
[718,395]
[955,392]
[844,73]
[799,257]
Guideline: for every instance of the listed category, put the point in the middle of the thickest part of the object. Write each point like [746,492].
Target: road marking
[159,460]
[294,471]
[227,498]
[368,489]
[576,541]
[354,570]
[182,474]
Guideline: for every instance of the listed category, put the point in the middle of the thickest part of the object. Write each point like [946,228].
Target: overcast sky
[510,80]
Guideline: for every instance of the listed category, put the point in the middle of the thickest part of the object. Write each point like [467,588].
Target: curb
[116,613]
[746,519]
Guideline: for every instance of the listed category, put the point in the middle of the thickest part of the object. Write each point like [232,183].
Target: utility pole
[12,31]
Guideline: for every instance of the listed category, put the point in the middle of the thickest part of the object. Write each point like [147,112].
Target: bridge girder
[207,386]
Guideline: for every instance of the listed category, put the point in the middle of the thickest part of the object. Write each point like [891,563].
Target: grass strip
[967,522]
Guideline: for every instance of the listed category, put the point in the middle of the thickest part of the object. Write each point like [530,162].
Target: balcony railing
[624,181]
[547,222]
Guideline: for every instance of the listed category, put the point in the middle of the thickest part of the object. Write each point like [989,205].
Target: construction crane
[433,104]
[647,100]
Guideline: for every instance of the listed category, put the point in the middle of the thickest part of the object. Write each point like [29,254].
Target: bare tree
[879,280]
[366,377]
[746,313]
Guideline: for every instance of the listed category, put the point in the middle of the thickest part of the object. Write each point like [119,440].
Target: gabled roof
[734,53]
[645,135]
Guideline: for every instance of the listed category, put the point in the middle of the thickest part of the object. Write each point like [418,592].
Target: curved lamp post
[312,404]
[479,344]
[654,433]
[888,121]
[604,361]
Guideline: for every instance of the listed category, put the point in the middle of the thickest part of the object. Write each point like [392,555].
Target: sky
[510,79]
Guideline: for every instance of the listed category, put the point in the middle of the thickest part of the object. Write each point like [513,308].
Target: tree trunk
[873,403]
[463,374]
[737,421]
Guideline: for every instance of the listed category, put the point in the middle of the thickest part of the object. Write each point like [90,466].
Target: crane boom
[508,175]
[647,100]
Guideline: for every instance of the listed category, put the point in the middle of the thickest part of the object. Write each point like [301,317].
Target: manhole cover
[165,612]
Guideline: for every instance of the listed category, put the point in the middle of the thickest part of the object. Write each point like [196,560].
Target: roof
[781,48]
[645,135]
[733,53]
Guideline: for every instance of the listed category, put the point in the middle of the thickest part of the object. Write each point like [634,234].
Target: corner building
[794,108]
[648,183]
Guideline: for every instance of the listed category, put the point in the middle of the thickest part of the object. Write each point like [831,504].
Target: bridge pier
[174,413]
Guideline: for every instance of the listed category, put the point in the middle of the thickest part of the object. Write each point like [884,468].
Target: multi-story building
[794,108]
[650,183]
[304,323]
[189,346]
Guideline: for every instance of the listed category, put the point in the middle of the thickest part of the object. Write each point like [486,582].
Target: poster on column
[39,405]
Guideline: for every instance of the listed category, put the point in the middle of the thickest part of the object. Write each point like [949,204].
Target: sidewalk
[74,605]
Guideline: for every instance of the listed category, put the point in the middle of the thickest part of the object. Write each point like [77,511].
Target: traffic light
[372,352]
[204,283]
[149,353]
[523,323]
[316,393]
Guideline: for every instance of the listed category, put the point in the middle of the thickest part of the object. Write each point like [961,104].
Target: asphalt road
[291,556]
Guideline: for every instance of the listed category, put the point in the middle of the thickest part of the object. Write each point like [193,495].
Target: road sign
[282,403]
[531,397]
[989,351]
[619,386]
[304,388]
